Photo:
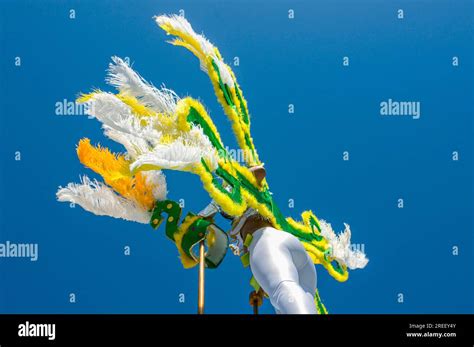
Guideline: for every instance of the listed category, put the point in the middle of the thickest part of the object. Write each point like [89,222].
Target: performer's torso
[252,224]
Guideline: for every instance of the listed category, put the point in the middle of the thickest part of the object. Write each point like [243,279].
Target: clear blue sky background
[282,62]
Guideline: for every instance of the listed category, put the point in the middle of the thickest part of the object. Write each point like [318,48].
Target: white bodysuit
[284,270]
[279,263]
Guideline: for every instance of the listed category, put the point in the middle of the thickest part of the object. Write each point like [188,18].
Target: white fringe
[179,23]
[96,197]
[127,81]
[341,246]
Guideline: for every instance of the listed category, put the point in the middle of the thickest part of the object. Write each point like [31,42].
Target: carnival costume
[161,131]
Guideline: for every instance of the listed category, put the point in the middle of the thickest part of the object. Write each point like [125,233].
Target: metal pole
[255,307]
[201,278]
[256,300]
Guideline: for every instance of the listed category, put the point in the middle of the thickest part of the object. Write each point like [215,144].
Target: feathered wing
[161,131]
[222,77]
[144,120]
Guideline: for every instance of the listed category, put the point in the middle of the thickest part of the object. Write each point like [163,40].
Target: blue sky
[283,61]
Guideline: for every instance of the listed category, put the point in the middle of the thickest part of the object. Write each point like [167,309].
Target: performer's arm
[210,210]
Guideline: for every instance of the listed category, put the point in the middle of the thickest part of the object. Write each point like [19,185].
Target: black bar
[165,330]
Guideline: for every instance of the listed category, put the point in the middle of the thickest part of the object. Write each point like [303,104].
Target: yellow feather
[136,107]
[114,169]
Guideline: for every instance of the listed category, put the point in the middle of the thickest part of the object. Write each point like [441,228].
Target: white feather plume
[180,24]
[134,145]
[96,197]
[341,246]
[177,155]
[127,81]
[115,114]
